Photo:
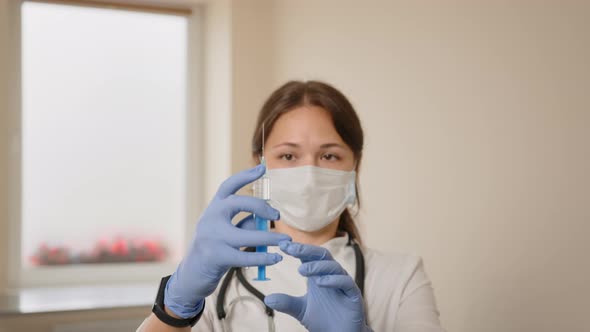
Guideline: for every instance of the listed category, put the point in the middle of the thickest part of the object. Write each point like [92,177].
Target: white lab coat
[398,294]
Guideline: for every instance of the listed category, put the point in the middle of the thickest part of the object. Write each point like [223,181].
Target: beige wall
[3,151]
[9,132]
[252,81]
[477,122]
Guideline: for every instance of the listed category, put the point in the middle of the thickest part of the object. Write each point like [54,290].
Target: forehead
[304,123]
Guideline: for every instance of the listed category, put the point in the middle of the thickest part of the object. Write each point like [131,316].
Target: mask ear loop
[356,204]
[354,168]
[262,151]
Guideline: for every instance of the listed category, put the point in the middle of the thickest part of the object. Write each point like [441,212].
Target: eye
[287,156]
[330,157]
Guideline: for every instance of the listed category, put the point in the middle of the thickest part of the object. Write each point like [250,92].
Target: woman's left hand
[333,301]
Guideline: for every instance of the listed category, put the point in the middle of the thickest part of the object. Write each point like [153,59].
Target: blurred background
[119,119]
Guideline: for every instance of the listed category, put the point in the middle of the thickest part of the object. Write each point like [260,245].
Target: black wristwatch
[160,312]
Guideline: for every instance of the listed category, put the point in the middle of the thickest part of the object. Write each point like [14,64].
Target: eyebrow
[331,145]
[294,145]
[323,146]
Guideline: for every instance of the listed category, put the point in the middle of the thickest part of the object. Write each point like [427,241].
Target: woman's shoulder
[398,291]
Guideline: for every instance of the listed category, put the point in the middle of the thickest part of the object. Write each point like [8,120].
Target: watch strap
[159,310]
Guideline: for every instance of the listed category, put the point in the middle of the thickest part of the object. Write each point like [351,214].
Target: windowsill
[78,298]
[71,276]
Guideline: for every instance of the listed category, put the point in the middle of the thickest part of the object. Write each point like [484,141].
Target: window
[103,136]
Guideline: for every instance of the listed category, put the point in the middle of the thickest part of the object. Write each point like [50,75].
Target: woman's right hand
[216,245]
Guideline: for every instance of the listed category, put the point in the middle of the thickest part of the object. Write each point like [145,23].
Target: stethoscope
[258,298]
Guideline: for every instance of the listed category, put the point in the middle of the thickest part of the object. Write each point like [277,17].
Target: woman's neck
[317,238]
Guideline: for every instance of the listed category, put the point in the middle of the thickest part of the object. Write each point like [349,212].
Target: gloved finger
[242,259]
[305,252]
[238,203]
[252,238]
[232,184]
[319,268]
[342,282]
[247,223]
[291,305]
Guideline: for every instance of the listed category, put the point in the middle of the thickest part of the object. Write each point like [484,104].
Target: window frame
[21,277]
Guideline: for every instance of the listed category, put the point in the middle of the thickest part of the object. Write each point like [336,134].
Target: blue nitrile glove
[333,301]
[216,245]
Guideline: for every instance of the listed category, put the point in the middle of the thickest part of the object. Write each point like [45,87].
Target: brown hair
[296,93]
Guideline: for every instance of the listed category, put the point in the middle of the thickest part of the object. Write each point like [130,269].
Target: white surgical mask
[308,197]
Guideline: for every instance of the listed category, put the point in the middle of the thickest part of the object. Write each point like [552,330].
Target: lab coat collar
[336,245]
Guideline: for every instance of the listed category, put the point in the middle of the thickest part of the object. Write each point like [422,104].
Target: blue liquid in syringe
[262,191]
[261,225]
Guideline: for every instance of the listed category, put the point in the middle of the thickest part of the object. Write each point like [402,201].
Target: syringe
[262,191]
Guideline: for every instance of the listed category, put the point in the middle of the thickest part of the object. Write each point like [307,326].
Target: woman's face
[306,136]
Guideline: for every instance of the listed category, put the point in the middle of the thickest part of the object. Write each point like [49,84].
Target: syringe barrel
[262,188]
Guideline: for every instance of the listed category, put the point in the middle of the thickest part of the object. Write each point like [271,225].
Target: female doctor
[321,278]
